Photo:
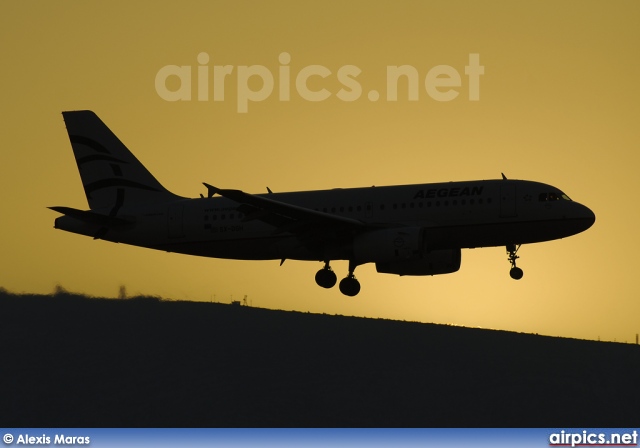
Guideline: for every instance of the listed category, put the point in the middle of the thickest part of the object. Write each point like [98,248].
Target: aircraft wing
[285,217]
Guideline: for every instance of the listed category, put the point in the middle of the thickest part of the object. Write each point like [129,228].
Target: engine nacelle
[389,245]
[432,263]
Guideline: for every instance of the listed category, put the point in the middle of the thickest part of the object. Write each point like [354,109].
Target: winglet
[211,190]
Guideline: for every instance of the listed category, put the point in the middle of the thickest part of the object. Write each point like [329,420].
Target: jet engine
[430,263]
[403,251]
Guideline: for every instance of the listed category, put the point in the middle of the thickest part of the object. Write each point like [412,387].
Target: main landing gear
[515,272]
[325,277]
[349,286]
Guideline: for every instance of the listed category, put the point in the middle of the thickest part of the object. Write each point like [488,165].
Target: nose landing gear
[515,272]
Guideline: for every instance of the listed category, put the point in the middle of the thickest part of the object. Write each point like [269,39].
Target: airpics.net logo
[255,83]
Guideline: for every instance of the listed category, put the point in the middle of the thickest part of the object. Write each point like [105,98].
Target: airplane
[413,230]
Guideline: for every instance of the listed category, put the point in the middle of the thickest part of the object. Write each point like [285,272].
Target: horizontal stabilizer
[92,217]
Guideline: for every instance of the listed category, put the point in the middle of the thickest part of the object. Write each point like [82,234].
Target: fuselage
[452,215]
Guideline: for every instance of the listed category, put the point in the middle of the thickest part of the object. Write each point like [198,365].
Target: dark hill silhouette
[68,360]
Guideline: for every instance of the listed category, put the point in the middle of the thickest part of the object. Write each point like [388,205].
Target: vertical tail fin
[110,173]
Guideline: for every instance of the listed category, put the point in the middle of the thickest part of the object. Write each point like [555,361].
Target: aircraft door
[175,221]
[508,200]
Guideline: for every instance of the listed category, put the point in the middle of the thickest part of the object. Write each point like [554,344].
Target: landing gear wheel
[349,286]
[326,278]
[515,272]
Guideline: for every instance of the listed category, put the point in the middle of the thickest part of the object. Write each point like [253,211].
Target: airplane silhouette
[405,230]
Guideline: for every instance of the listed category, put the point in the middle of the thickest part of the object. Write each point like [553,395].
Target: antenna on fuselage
[503,176]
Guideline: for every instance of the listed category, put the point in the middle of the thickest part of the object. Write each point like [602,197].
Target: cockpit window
[553,196]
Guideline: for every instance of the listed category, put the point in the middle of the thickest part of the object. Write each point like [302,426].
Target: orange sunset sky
[559,103]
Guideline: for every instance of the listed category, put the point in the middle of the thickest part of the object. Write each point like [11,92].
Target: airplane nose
[587,216]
